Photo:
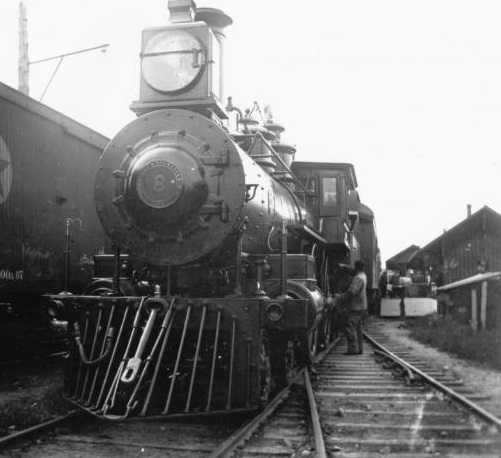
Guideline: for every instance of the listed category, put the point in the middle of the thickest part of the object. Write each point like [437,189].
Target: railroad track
[375,405]
[356,406]
[368,411]
[83,436]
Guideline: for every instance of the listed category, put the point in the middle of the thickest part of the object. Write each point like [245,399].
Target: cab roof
[299,168]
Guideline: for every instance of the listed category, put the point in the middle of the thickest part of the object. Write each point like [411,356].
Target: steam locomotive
[226,249]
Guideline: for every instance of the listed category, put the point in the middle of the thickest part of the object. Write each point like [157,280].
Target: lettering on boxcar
[38,264]
[11,275]
[85,260]
[32,255]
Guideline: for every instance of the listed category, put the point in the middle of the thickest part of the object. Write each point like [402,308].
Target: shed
[402,261]
[470,247]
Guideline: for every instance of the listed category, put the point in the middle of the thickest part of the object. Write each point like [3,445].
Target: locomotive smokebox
[161,191]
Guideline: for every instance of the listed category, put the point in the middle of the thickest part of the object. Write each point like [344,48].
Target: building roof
[404,257]
[493,220]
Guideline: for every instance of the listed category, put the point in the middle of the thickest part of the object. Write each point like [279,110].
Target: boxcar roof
[73,127]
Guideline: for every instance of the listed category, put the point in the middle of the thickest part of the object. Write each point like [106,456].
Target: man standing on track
[354,301]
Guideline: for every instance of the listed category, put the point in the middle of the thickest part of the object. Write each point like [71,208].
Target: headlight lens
[172,60]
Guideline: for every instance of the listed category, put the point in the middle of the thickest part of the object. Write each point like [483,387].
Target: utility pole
[61,57]
[23,63]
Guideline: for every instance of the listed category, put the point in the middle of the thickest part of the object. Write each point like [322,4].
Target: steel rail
[243,434]
[315,420]
[410,375]
[7,440]
[37,358]
[451,393]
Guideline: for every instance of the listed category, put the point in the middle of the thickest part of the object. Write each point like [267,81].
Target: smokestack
[23,70]
[217,21]
[181,10]
[468,210]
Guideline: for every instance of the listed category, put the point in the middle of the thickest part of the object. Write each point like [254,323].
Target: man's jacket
[355,298]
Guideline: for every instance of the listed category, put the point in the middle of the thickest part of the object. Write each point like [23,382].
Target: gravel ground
[474,375]
[31,393]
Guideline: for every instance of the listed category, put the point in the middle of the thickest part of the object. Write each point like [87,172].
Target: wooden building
[404,260]
[472,246]
[465,264]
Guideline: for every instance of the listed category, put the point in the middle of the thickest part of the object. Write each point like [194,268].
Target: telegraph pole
[23,63]
[61,57]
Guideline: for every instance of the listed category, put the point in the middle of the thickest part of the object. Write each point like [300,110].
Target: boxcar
[48,225]
[369,252]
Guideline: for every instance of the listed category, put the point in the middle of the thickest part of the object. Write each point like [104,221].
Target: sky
[407,91]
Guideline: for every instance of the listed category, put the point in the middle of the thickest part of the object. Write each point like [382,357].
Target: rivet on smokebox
[204,147]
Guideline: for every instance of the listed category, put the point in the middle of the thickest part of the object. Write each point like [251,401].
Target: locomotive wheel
[314,344]
[104,287]
[325,333]
[328,332]
[100,287]
[265,375]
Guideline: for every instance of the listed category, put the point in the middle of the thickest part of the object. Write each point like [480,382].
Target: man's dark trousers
[354,331]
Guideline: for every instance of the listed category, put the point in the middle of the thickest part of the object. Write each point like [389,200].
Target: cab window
[329,187]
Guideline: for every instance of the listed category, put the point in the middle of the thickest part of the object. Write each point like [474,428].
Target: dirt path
[31,393]
[486,381]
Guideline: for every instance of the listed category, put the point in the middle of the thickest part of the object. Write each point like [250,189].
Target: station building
[464,263]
